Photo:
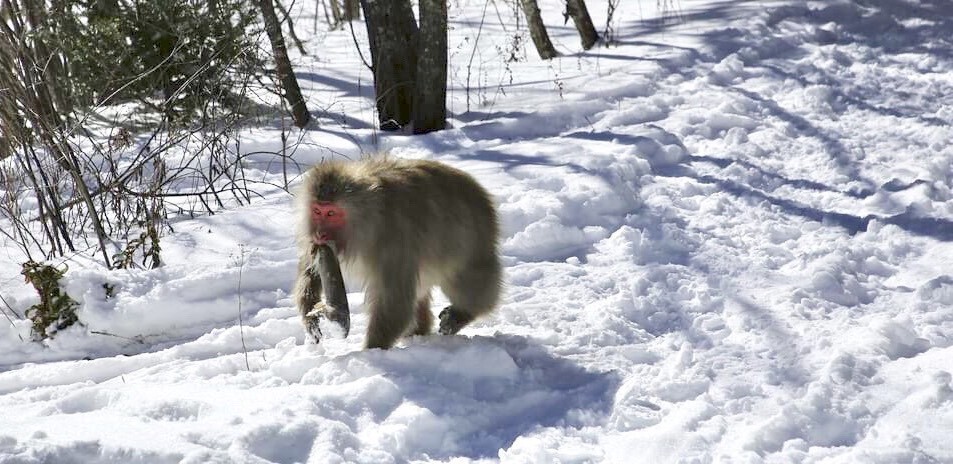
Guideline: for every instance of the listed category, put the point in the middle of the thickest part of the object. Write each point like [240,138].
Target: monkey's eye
[331,213]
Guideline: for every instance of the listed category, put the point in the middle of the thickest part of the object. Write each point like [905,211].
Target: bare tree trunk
[537,30]
[352,10]
[430,94]
[5,149]
[392,33]
[286,75]
[580,17]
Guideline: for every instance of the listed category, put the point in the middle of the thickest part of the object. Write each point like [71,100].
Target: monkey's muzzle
[328,219]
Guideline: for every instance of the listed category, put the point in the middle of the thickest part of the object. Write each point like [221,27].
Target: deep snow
[727,238]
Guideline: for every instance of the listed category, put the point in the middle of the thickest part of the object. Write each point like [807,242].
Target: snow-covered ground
[727,238]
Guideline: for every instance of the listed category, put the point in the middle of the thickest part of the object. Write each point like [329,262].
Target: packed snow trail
[727,239]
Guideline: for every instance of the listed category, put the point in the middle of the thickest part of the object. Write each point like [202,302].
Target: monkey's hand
[312,326]
[323,320]
[452,320]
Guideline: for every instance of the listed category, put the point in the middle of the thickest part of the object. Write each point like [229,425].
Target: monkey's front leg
[390,301]
[307,293]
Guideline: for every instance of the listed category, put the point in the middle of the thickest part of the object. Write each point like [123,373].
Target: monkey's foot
[452,320]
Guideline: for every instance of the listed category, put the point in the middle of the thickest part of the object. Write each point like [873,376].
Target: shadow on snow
[485,392]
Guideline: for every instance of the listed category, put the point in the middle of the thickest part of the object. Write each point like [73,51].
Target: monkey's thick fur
[410,225]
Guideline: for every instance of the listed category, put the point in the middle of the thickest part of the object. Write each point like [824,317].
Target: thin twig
[350,24]
[12,324]
[476,42]
[137,338]
[241,325]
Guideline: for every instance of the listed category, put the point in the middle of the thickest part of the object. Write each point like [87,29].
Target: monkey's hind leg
[424,318]
[472,293]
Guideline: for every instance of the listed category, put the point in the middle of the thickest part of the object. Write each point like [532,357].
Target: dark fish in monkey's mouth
[332,283]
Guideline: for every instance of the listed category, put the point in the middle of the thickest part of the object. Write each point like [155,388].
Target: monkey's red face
[328,220]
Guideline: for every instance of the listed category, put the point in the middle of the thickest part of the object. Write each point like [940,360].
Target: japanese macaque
[403,226]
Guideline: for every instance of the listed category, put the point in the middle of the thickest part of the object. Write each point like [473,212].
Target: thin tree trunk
[336,12]
[286,75]
[430,95]
[48,116]
[580,17]
[537,30]
[71,164]
[291,27]
[392,33]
